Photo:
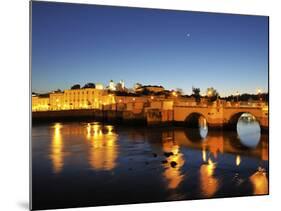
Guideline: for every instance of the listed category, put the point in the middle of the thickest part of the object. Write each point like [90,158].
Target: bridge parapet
[246,104]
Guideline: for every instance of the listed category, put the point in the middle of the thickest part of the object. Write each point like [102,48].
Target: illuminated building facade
[57,101]
[88,98]
[40,103]
[112,85]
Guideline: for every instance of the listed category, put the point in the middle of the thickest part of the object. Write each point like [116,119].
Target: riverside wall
[88,115]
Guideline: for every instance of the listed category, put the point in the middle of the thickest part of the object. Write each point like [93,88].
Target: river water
[91,164]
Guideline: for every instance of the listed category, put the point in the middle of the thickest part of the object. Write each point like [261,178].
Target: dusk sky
[73,43]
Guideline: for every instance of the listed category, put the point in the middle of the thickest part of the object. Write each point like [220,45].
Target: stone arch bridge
[221,116]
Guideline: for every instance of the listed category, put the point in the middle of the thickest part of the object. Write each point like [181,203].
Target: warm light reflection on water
[109,129]
[173,175]
[56,148]
[214,144]
[104,150]
[120,159]
[204,156]
[259,181]
[238,160]
[265,151]
[209,184]
[88,131]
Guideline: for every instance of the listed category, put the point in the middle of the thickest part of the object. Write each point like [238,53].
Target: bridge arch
[197,122]
[233,119]
[194,119]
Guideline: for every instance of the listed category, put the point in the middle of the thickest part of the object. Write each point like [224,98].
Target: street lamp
[259,94]
[237,95]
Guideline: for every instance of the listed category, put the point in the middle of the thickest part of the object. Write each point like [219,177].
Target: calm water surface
[89,163]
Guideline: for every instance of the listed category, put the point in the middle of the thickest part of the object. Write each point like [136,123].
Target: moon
[188,35]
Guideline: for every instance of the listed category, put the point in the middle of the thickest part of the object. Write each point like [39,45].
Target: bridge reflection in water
[172,163]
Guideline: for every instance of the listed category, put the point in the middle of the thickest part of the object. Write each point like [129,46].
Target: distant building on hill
[112,86]
[150,88]
[99,86]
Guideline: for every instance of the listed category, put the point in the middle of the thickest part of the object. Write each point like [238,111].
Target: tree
[179,91]
[76,86]
[137,86]
[196,93]
[89,85]
[212,94]
[119,87]
[248,97]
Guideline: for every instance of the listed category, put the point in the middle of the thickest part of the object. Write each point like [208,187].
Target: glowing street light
[259,94]
[174,94]
[237,95]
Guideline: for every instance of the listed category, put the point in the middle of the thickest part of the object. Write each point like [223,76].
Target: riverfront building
[96,98]
[40,103]
[88,98]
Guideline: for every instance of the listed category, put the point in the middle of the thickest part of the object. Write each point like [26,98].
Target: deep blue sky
[74,43]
